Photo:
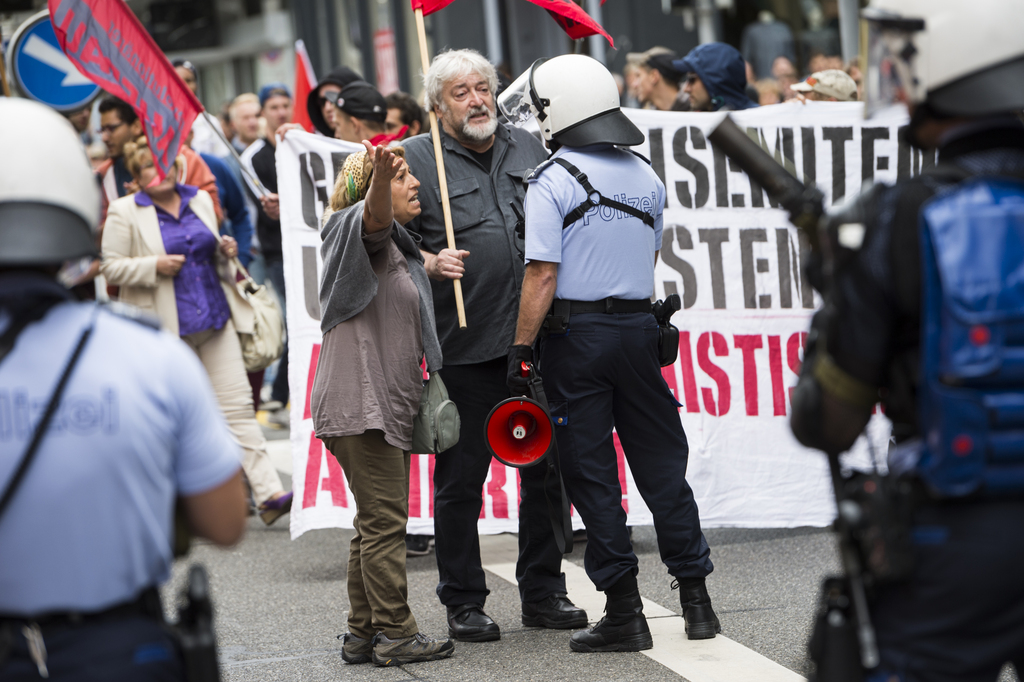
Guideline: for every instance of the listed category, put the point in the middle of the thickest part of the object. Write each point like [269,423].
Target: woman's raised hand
[169,265]
[385,163]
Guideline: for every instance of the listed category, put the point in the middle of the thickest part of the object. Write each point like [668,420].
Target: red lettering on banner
[334,481]
[620,461]
[415,505]
[796,343]
[314,356]
[748,343]
[499,500]
[775,365]
[715,373]
[689,382]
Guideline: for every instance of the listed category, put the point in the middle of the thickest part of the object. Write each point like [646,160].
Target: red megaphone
[518,432]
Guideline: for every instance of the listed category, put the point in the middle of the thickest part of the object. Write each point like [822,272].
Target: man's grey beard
[476,134]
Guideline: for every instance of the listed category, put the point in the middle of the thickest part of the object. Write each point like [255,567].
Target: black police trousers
[129,649]
[459,475]
[961,615]
[604,372]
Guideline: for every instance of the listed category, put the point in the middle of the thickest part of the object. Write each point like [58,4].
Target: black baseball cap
[361,100]
[341,77]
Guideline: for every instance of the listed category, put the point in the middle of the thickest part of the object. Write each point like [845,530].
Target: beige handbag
[266,343]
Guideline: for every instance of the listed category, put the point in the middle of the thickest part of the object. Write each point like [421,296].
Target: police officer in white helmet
[593,232]
[923,313]
[104,422]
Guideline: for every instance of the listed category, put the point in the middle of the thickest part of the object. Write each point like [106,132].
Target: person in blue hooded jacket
[716,78]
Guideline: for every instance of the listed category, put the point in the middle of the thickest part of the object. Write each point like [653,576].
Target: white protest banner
[735,262]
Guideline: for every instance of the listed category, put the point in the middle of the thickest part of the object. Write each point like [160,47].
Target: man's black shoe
[555,612]
[701,621]
[469,623]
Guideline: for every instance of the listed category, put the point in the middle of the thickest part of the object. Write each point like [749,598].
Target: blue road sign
[43,72]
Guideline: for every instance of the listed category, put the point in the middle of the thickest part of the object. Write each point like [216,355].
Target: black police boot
[623,627]
[469,623]
[701,621]
[555,612]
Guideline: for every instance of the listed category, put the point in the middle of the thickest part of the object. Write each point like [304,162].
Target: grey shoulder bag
[437,424]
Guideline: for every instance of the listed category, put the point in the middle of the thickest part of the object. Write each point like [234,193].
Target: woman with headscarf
[378,324]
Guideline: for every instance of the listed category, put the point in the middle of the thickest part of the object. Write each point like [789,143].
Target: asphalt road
[281,604]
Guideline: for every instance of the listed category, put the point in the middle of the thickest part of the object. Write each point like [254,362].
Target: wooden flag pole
[3,76]
[435,133]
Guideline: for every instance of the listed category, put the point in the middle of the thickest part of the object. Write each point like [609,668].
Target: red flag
[305,81]
[429,6]
[108,44]
[573,20]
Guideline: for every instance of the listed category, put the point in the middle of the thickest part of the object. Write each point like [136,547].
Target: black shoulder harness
[590,203]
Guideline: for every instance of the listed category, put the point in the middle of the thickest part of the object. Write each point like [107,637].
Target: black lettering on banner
[700,173]
[867,152]
[713,238]
[310,282]
[721,179]
[658,153]
[785,272]
[685,270]
[838,137]
[810,160]
[747,239]
[311,181]
[806,291]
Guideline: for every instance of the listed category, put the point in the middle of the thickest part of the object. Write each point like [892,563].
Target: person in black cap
[716,78]
[359,113]
[321,113]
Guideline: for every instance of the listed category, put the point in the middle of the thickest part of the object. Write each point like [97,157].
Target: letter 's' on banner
[108,44]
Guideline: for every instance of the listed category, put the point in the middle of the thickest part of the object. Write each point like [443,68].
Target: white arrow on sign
[37,48]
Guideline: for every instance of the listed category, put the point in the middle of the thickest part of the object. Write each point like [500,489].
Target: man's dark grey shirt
[484,225]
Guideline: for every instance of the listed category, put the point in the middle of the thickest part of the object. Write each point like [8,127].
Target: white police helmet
[961,59]
[575,101]
[49,197]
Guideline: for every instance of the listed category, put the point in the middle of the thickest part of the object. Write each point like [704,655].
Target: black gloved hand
[517,383]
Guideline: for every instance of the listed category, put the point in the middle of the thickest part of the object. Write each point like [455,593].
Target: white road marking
[709,660]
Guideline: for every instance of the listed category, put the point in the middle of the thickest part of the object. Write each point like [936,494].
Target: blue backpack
[971,395]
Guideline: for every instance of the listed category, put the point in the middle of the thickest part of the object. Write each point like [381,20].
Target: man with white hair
[485,163]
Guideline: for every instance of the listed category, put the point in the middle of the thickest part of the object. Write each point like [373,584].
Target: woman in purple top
[161,247]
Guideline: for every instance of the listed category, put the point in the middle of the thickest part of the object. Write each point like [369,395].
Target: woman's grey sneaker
[354,649]
[419,647]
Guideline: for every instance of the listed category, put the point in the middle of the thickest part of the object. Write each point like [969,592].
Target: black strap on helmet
[602,200]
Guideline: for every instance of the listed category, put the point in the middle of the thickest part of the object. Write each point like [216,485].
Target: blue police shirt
[606,252]
[91,524]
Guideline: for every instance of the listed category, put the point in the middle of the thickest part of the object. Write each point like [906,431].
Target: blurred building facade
[238,45]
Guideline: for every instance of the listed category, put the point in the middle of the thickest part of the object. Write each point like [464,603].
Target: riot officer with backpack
[925,311]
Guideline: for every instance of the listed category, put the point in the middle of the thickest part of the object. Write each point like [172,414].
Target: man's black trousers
[961,615]
[459,475]
[604,372]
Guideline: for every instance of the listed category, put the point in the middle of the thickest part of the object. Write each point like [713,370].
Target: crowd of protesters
[220,211]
